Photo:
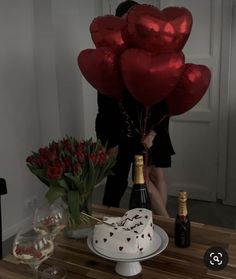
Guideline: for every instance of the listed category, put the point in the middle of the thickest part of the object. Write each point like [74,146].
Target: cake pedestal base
[128,268]
[129,264]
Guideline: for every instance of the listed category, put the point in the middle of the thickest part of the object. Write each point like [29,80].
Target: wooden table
[172,263]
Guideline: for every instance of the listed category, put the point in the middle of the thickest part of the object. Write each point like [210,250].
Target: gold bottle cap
[182,195]
[138,160]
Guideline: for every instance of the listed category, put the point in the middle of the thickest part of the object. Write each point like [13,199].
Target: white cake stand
[129,264]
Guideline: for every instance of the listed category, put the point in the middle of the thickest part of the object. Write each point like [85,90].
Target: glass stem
[53,236]
[36,272]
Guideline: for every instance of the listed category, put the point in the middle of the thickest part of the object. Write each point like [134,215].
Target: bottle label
[182,217]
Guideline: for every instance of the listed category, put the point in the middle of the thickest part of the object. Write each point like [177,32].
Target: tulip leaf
[59,182]
[55,193]
[74,205]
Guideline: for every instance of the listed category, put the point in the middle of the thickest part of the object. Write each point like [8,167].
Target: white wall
[45,71]
[62,31]
[42,93]
[19,110]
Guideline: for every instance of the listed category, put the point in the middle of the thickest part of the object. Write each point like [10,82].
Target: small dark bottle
[139,197]
[182,223]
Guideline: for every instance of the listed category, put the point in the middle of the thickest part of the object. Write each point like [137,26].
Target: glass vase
[81,228]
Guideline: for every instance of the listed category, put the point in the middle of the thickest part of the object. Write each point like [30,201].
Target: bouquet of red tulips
[71,168]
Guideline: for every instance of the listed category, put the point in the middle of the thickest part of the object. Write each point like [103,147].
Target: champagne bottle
[139,197]
[182,223]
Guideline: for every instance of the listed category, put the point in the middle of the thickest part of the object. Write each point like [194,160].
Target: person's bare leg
[156,175]
[157,203]
[158,206]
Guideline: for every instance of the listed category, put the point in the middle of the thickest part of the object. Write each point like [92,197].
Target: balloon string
[145,165]
[146,150]
[145,121]
[145,147]
[159,122]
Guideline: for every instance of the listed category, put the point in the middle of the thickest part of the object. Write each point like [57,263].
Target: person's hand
[148,139]
[113,151]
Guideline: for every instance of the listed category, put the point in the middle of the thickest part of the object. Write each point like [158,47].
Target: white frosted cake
[132,233]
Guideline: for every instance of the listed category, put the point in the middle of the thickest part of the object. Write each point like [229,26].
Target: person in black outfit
[119,126]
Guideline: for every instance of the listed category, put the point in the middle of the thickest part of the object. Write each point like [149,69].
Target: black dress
[122,124]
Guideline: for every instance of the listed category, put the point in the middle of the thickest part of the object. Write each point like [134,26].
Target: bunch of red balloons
[142,52]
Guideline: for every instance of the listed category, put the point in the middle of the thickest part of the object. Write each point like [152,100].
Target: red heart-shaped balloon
[100,68]
[148,77]
[190,89]
[106,31]
[159,31]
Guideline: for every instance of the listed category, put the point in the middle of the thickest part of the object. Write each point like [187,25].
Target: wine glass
[32,248]
[51,218]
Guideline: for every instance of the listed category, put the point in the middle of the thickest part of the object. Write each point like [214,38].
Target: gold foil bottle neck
[138,170]
[183,211]
[138,160]
[183,196]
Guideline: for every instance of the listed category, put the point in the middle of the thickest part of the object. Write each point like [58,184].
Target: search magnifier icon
[216,259]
